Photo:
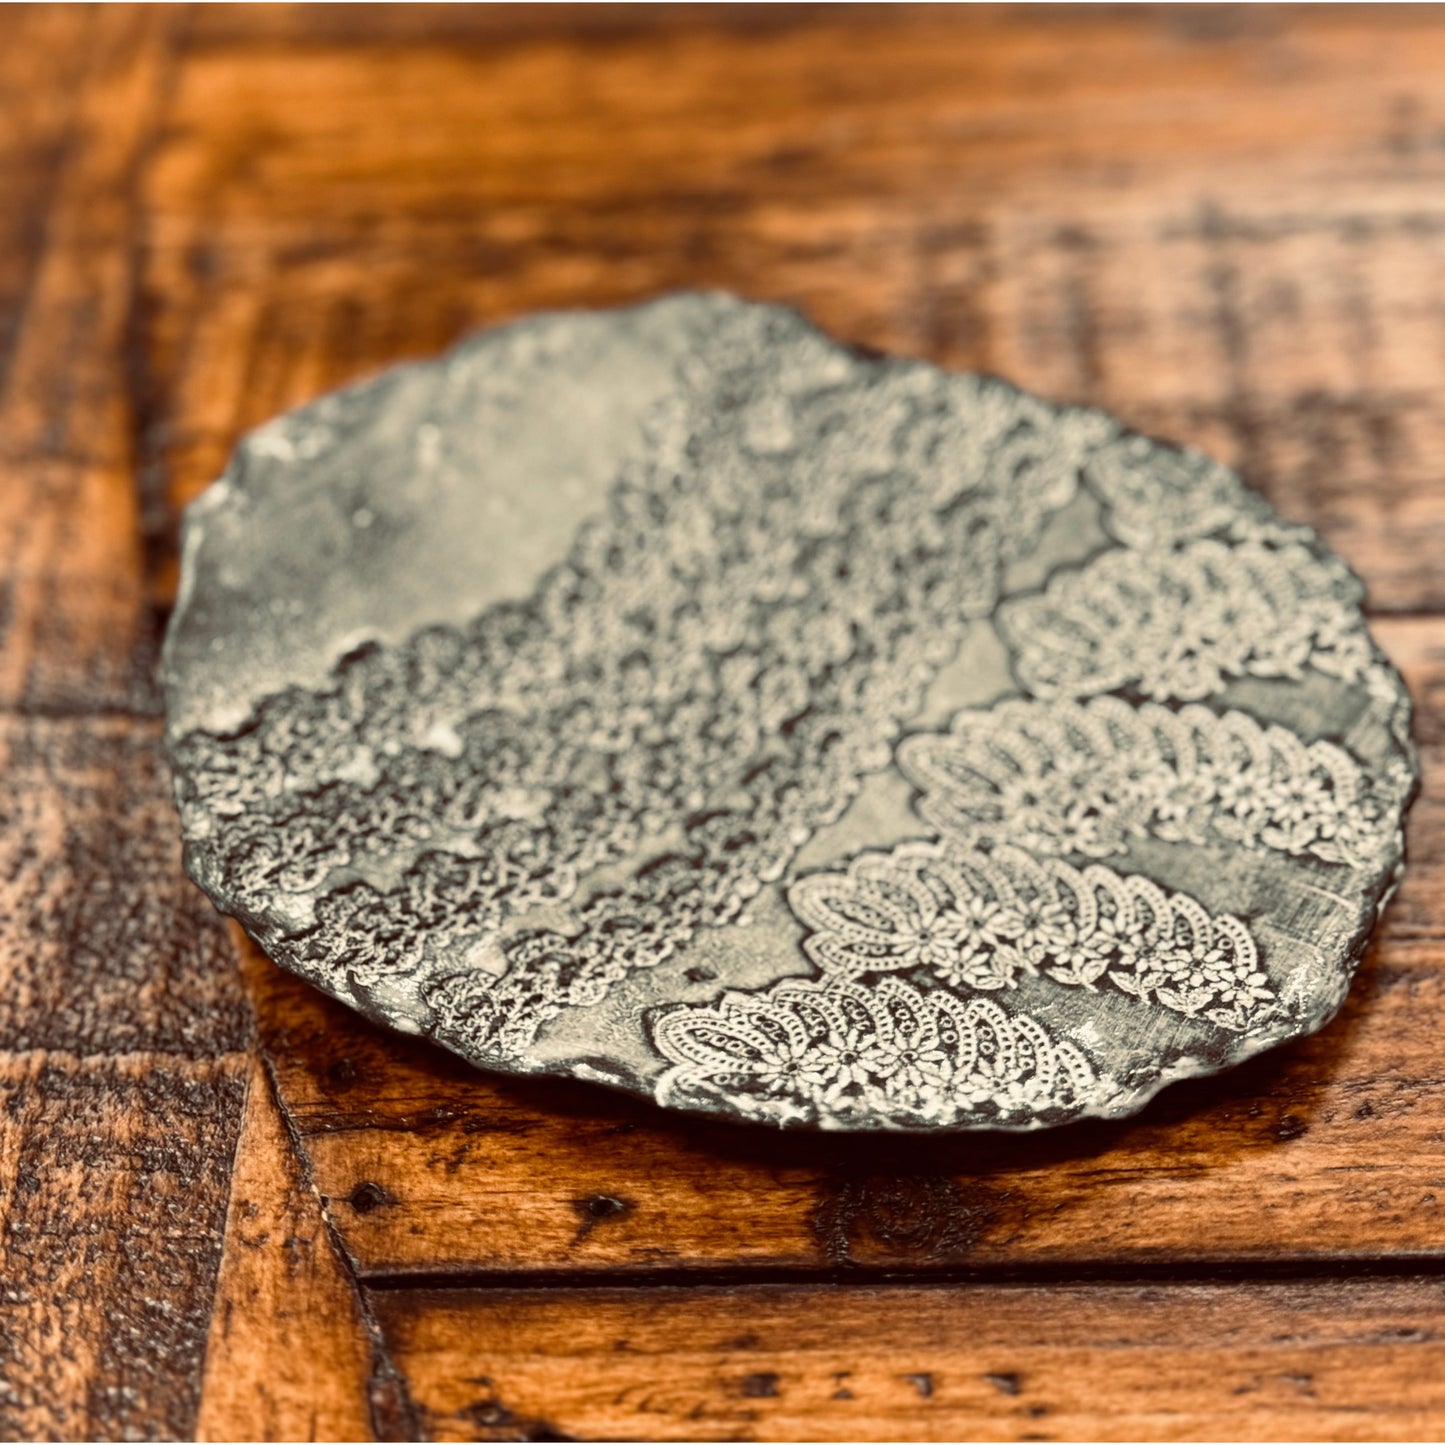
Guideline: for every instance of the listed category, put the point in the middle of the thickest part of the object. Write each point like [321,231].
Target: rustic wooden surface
[228,1208]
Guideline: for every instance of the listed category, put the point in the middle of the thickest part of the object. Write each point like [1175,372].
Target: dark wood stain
[228,1205]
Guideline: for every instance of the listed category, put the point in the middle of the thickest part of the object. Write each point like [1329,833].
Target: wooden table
[229,1206]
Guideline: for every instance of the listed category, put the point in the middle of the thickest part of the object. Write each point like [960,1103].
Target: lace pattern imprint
[834,1052]
[1085,778]
[980,921]
[720,661]
[707,678]
[1178,624]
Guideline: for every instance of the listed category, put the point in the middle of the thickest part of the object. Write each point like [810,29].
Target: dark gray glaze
[676,699]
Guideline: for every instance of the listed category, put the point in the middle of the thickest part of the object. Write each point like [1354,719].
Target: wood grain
[290,1353]
[1225,223]
[122,1022]
[122,1071]
[75,633]
[113,1198]
[106,948]
[1318,1360]
[1226,227]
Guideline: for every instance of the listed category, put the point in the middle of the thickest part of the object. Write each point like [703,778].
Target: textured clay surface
[676,699]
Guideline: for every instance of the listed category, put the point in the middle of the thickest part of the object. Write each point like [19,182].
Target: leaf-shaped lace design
[833,1052]
[1087,777]
[1177,624]
[980,920]
[1156,495]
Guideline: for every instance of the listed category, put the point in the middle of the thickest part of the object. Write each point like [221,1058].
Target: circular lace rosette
[675,699]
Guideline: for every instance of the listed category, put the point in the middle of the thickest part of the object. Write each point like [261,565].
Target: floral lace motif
[1177,624]
[835,1052]
[1156,496]
[720,660]
[977,920]
[1087,777]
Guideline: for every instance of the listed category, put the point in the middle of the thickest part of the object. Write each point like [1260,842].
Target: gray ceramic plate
[675,699]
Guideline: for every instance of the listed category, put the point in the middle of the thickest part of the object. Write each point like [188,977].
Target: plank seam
[1235,1271]
[393,1415]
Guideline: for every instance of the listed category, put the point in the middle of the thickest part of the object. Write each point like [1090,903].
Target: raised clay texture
[676,699]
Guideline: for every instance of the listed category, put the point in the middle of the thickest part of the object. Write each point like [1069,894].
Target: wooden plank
[41,62]
[1133,211]
[75,630]
[1417,647]
[112,1198]
[105,947]
[121,1088]
[1318,1360]
[391,24]
[121,1018]
[290,1356]
[946,100]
